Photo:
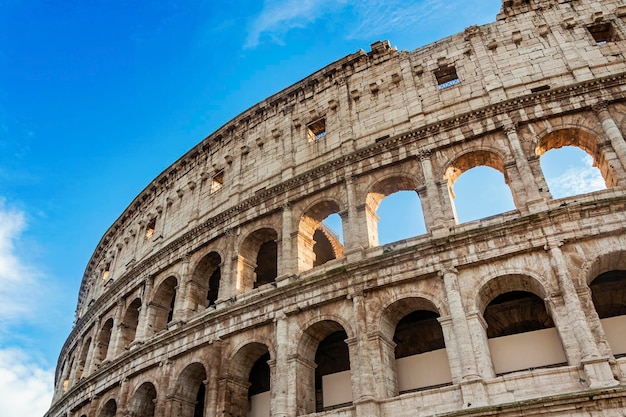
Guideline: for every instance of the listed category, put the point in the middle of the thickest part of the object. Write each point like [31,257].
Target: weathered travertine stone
[220,285]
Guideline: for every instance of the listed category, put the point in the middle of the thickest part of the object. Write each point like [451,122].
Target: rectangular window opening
[106,272]
[316,130]
[603,33]
[150,228]
[217,182]
[446,77]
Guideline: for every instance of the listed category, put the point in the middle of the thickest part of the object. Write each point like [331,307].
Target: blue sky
[98,97]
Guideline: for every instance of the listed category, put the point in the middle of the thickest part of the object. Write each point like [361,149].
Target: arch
[378,192]
[109,409]
[162,305]
[143,402]
[249,385]
[82,361]
[323,373]
[257,262]
[419,356]
[190,392]
[520,331]
[583,139]
[205,281]
[130,322]
[68,372]
[608,293]
[473,159]
[103,341]
[318,244]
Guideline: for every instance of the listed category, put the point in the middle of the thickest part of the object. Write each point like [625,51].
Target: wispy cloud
[18,289]
[280,16]
[362,19]
[580,179]
[25,385]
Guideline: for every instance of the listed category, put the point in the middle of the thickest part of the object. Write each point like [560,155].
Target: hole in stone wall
[150,227]
[400,217]
[603,33]
[481,192]
[570,171]
[217,182]
[316,130]
[266,263]
[446,77]
[332,357]
[328,238]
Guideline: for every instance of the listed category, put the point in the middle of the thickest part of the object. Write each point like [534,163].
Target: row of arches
[521,332]
[500,178]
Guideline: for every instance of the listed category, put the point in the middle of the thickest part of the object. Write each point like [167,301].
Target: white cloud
[280,16]
[18,280]
[580,179]
[25,387]
[366,19]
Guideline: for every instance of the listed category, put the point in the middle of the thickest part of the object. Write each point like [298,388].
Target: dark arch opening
[143,403]
[109,409]
[608,292]
[266,264]
[521,333]
[130,322]
[332,357]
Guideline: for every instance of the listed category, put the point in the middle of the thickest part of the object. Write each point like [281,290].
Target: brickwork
[171,320]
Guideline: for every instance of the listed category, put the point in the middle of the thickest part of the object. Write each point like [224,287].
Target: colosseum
[221,291]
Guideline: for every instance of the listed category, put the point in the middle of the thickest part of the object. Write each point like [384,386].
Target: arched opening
[249,382]
[608,292]
[257,263]
[394,211]
[420,356]
[82,361]
[162,306]
[266,264]
[67,372]
[109,409]
[571,171]
[130,323]
[143,403]
[581,139]
[259,390]
[103,341]
[323,377]
[521,333]
[191,392]
[479,187]
[319,236]
[205,282]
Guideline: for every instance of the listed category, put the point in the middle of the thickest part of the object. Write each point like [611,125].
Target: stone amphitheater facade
[219,291]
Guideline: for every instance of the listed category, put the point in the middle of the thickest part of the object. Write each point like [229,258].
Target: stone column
[354,224]
[228,279]
[527,177]
[437,217]
[452,349]
[472,389]
[182,303]
[596,367]
[115,345]
[143,323]
[362,361]
[281,377]
[287,264]
[212,383]
[612,132]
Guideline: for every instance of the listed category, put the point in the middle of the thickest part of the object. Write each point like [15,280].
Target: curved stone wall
[219,291]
